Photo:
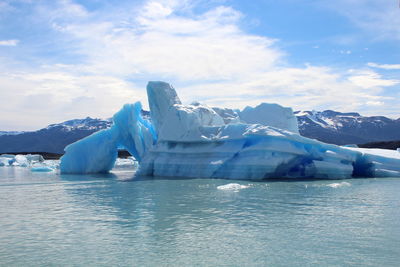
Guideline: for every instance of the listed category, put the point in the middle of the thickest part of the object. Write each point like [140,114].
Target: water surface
[115,219]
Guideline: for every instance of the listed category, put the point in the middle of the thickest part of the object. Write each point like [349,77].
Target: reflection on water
[119,219]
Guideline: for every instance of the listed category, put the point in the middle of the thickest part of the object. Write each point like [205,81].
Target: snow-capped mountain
[81,124]
[53,138]
[327,126]
[347,128]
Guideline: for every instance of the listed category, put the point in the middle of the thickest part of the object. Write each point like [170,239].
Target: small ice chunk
[7,159]
[34,158]
[42,168]
[3,161]
[336,185]
[21,160]
[45,166]
[130,163]
[232,187]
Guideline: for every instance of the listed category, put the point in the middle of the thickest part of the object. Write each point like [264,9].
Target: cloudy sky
[68,59]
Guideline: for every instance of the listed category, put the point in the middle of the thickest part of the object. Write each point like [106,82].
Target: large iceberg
[199,141]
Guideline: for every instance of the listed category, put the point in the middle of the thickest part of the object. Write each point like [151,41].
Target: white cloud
[300,88]
[9,42]
[206,46]
[375,103]
[156,10]
[384,66]
[370,79]
[54,96]
[207,56]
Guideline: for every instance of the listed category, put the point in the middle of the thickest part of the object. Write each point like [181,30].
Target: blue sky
[71,59]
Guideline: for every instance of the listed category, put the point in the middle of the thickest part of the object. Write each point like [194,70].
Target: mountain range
[51,139]
[347,128]
[327,126]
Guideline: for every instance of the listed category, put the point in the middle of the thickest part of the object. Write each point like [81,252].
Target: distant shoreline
[392,145]
[54,156]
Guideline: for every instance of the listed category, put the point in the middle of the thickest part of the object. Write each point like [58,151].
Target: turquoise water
[103,220]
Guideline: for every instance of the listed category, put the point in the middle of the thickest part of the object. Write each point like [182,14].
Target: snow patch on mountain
[10,133]
[82,124]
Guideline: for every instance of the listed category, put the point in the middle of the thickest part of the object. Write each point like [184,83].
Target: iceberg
[20,160]
[7,160]
[35,162]
[198,141]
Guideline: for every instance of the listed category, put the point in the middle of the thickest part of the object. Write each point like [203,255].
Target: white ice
[272,115]
[19,160]
[337,185]
[36,163]
[126,163]
[232,187]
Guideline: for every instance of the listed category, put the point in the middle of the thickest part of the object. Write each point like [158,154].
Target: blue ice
[200,141]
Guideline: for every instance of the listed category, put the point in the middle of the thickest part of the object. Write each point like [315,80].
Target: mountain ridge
[53,138]
[328,126]
[347,128]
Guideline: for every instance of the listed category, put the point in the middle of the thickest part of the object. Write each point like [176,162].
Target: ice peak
[162,96]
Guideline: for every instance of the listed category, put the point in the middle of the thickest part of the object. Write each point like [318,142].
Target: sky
[68,59]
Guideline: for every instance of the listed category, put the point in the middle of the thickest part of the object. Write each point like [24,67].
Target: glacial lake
[47,219]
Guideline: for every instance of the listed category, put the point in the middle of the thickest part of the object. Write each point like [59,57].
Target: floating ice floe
[35,162]
[126,163]
[42,168]
[336,185]
[201,141]
[19,160]
[46,166]
[7,160]
[232,187]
